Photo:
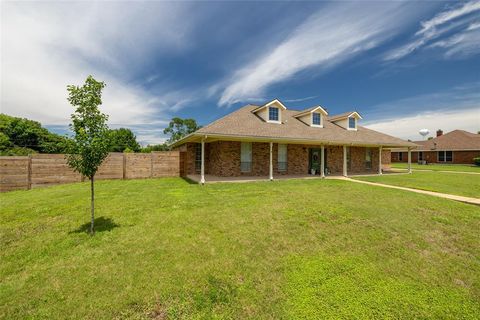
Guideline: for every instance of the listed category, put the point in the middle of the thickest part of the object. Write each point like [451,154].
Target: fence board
[138,165]
[41,170]
[13,173]
[111,168]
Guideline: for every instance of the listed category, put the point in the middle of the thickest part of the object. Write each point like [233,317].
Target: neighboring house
[457,146]
[271,140]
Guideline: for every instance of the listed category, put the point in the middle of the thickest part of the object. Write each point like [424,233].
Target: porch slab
[214,179]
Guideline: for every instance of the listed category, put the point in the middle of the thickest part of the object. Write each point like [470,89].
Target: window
[282,157]
[273,114]
[352,123]
[420,156]
[400,156]
[246,157]
[316,119]
[368,158]
[198,157]
[445,156]
[448,156]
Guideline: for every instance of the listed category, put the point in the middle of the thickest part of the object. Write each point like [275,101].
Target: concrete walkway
[446,171]
[468,200]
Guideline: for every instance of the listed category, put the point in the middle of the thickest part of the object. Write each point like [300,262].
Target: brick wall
[465,156]
[223,159]
[459,157]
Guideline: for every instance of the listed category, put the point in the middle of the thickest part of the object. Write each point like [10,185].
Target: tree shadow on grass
[101,224]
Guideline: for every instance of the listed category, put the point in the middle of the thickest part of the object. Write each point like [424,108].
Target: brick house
[455,147]
[271,140]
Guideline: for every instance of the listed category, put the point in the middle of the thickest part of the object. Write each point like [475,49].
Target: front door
[315,160]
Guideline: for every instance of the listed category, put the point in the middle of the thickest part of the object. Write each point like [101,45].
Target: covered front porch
[225,161]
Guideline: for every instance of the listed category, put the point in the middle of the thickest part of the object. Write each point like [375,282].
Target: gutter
[296,140]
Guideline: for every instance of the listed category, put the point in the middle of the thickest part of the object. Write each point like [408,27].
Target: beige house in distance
[271,140]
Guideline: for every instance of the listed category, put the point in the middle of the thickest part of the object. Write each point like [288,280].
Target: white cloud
[45,47]
[331,35]
[434,28]
[457,108]
[447,120]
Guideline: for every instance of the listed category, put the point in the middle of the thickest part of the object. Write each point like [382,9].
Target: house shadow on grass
[101,224]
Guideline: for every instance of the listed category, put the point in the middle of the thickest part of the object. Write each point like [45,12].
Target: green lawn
[461,184]
[297,249]
[438,167]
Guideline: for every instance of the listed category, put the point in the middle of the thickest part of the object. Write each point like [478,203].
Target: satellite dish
[424,132]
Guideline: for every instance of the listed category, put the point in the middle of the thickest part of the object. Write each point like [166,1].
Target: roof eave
[222,136]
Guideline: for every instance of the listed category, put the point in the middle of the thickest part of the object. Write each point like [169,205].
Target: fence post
[151,164]
[29,172]
[124,167]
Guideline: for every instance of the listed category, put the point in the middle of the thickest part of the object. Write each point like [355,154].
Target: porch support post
[380,160]
[322,162]
[202,167]
[271,161]
[409,160]
[344,161]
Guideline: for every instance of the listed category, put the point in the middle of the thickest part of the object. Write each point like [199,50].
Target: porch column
[380,160]
[202,167]
[409,160]
[271,161]
[344,161]
[322,162]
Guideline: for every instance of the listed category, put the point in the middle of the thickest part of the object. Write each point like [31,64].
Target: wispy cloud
[458,108]
[334,34]
[439,25]
[46,46]
[461,45]
[300,99]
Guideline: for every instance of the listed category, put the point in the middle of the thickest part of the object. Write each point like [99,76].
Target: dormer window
[352,123]
[313,117]
[271,111]
[273,114]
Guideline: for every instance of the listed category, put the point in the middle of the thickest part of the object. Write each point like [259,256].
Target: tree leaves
[91,134]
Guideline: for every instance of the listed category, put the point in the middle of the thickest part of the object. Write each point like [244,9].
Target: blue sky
[403,65]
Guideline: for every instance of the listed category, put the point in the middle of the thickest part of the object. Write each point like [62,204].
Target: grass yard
[297,249]
[461,184]
[438,167]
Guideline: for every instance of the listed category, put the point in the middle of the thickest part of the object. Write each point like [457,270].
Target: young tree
[90,141]
[178,128]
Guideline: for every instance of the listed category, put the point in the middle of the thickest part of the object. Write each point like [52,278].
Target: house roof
[274,101]
[344,116]
[314,108]
[244,124]
[454,140]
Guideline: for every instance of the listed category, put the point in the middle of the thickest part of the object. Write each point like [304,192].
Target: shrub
[476,161]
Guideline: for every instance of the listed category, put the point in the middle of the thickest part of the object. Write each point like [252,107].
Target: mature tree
[156,147]
[122,139]
[26,136]
[91,135]
[179,128]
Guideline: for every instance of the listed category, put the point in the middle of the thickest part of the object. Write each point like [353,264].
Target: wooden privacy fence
[39,170]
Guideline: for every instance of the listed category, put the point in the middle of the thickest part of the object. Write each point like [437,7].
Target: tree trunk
[92,208]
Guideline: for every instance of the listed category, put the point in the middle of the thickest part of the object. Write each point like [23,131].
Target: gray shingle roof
[244,123]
